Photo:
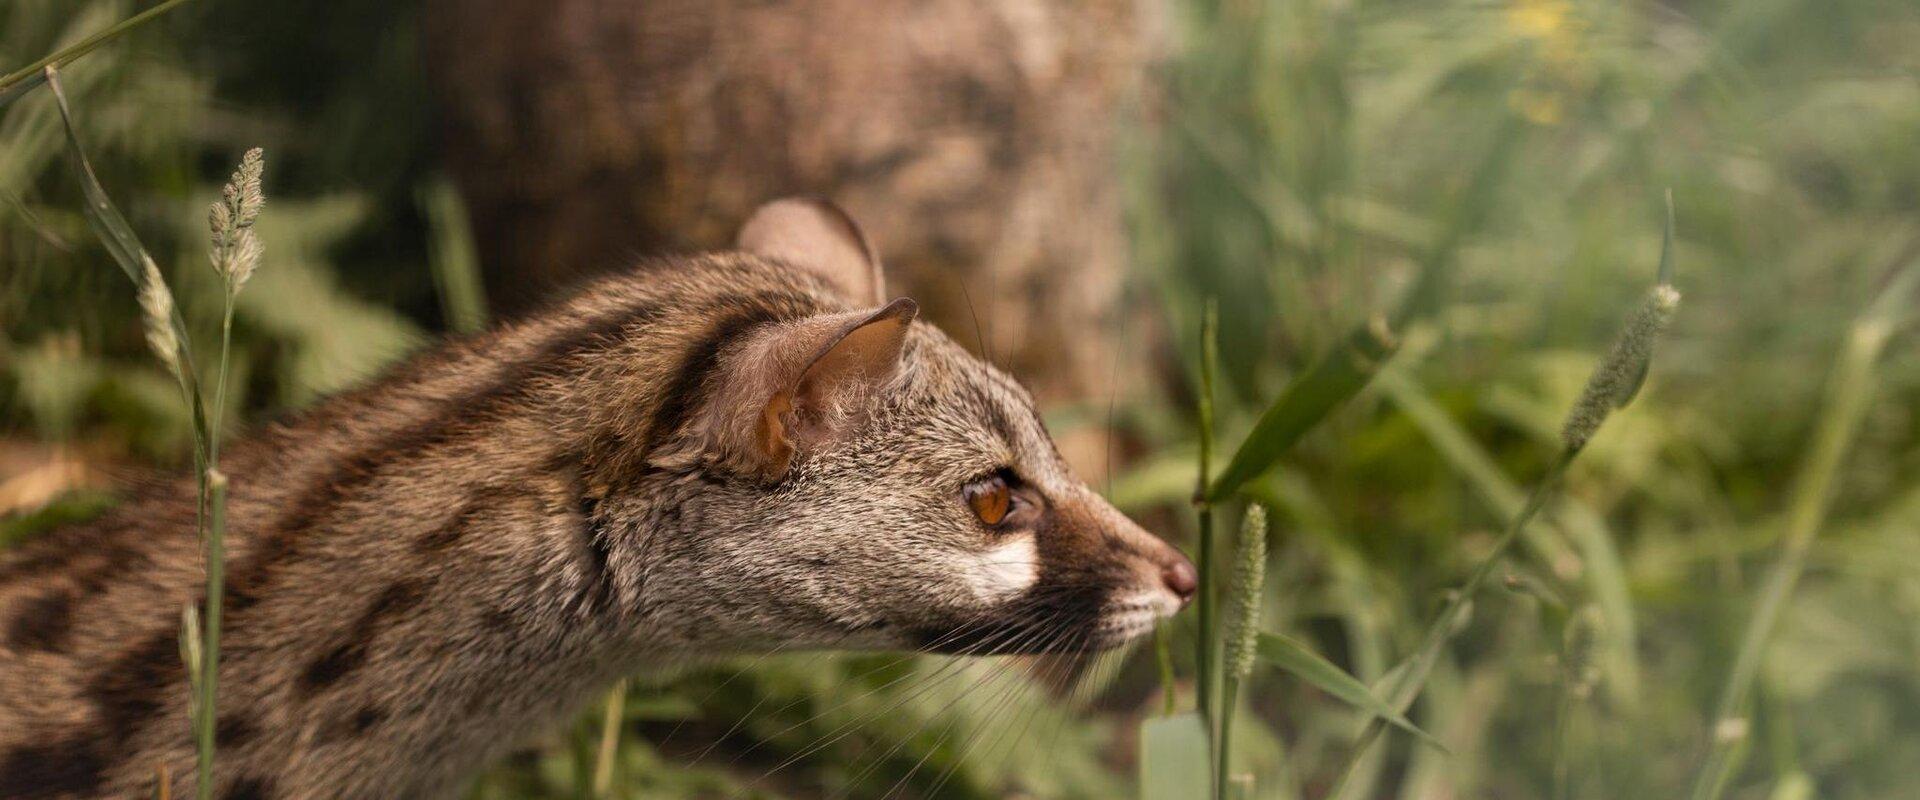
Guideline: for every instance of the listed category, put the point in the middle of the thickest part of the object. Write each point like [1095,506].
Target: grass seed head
[235,250]
[1243,615]
[1618,378]
[190,640]
[156,311]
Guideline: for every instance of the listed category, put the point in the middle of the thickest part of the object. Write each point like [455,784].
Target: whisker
[844,729]
[993,702]
[1002,668]
[980,731]
[978,337]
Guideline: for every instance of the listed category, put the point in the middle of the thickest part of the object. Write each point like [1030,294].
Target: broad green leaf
[1294,657]
[1344,371]
[1338,376]
[1173,758]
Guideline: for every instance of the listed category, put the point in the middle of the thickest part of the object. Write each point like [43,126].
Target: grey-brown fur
[426,570]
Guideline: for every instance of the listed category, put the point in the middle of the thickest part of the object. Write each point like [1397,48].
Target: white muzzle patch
[1006,570]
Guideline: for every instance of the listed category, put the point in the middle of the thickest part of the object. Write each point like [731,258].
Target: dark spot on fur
[69,767]
[364,719]
[331,666]
[351,652]
[446,535]
[349,727]
[252,787]
[233,730]
[497,620]
[42,623]
[396,599]
[127,691]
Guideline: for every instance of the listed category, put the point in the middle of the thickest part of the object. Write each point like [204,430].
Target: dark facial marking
[42,623]
[997,419]
[691,373]
[596,553]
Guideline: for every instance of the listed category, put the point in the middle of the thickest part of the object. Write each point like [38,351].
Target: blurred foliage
[1303,157]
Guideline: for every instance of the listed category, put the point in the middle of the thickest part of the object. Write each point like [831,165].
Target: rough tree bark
[975,141]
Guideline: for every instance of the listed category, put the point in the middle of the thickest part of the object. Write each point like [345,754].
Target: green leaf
[1338,376]
[1173,758]
[17,83]
[1294,657]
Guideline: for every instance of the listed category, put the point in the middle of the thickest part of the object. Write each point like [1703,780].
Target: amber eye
[990,498]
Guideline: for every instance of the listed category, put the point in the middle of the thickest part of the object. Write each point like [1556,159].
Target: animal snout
[1180,577]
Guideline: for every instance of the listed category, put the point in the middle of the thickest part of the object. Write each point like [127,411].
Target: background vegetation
[1305,158]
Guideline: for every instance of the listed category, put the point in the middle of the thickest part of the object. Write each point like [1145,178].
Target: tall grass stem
[1206,642]
[607,758]
[204,722]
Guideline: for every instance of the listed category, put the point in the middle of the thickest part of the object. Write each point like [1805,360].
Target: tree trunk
[975,142]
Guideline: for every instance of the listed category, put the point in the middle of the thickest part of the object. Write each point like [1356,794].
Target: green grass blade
[1173,757]
[121,243]
[1665,274]
[1295,658]
[18,82]
[456,266]
[1331,381]
[1604,574]
[1848,391]
[1343,372]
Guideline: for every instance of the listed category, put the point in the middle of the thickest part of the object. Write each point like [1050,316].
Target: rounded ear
[816,235]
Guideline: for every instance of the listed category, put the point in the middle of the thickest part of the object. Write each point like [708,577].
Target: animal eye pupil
[990,500]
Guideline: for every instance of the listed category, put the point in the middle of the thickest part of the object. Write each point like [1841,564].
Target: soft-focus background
[1065,186]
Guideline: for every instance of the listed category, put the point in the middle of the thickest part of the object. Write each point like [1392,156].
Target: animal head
[867,483]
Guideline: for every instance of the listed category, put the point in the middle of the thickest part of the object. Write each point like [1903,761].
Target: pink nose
[1181,579]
